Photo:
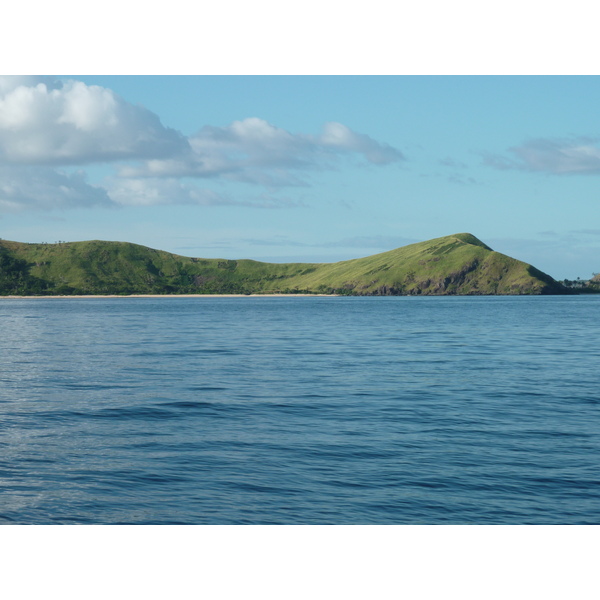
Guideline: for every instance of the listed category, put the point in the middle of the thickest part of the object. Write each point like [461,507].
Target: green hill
[456,264]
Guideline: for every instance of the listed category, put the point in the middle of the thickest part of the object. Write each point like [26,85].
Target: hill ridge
[458,264]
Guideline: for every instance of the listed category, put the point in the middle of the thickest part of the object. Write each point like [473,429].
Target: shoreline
[171,296]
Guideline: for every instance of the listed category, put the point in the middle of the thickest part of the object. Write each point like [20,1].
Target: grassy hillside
[456,264]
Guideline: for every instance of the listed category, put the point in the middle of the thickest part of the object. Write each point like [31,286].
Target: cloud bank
[47,125]
[574,156]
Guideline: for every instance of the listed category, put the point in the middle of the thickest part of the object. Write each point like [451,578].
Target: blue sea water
[309,410]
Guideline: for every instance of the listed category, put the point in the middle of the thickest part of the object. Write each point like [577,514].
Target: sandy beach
[173,296]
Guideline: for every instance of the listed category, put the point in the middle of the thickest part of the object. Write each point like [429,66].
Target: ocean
[300,410]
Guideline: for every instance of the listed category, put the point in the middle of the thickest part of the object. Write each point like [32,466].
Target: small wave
[191,405]
[95,386]
[137,412]
[205,388]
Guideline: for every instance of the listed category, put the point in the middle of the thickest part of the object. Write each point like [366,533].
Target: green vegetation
[456,264]
[584,286]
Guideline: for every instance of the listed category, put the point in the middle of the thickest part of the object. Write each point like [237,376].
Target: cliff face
[459,264]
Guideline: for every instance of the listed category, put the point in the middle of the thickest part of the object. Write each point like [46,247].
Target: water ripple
[283,411]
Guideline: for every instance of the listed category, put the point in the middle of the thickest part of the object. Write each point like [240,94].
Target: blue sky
[305,168]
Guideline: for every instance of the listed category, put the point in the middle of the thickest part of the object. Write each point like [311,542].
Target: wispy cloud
[162,191]
[153,192]
[452,163]
[255,151]
[457,177]
[570,156]
[460,179]
[380,242]
[275,241]
[593,232]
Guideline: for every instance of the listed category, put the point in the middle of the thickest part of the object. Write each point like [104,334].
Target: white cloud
[12,82]
[153,192]
[46,122]
[256,151]
[164,191]
[43,188]
[554,156]
[340,137]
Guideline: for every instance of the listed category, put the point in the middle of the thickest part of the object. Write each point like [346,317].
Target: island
[458,264]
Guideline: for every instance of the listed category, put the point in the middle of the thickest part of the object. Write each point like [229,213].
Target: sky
[305,168]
